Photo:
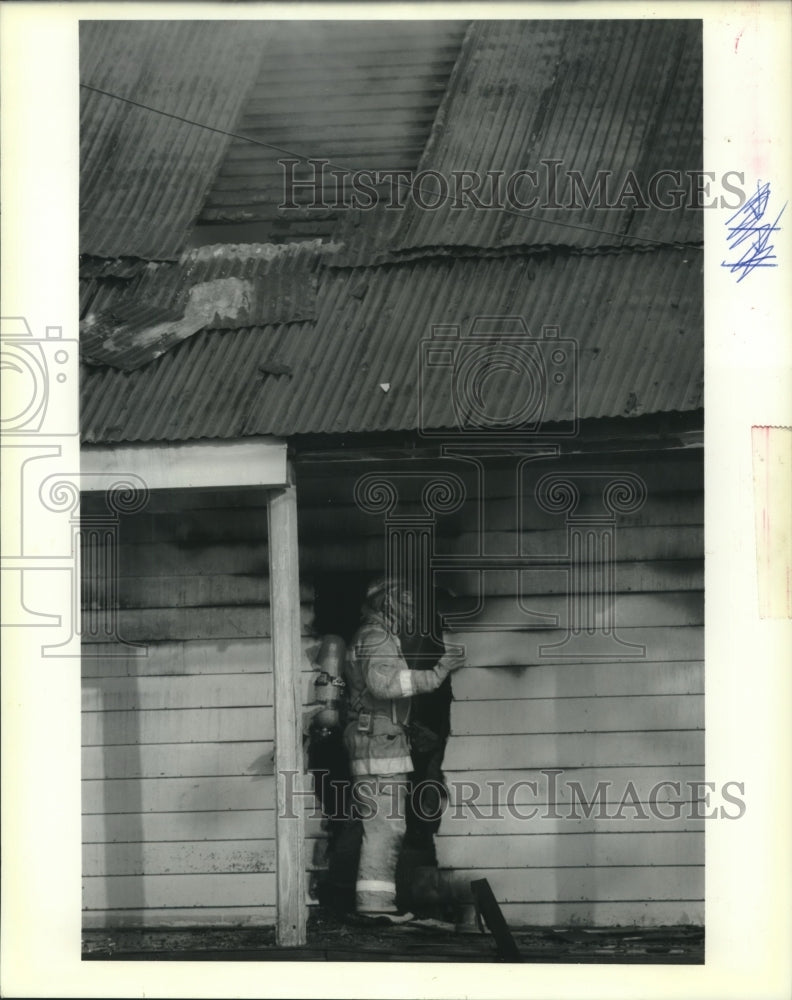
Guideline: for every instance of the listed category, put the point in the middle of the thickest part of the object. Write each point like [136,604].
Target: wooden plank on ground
[568,750]
[491,915]
[578,715]
[548,851]
[581,680]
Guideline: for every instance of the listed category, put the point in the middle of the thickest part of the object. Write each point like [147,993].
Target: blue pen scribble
[747,226]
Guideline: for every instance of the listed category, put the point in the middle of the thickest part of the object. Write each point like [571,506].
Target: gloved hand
[450,662]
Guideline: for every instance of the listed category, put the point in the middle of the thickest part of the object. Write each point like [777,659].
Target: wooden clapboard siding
[197,591]
[187,658]
[179,821]
[566,750]
[196,827]
[333,483]
[106,694]
[144,916]
[173,727]
[317,521]
[522,649]
[229,590]
[199,760]
[634,544]
[526,820]
[681,508]
[630,724]
[185,858]
[108,892]
[590,911]
[193,794]
[540,851]
[600,714]
[581,851]
[600,914]
[653,576]
[151,624]
[580,680]
[561,884]
[624,610]
[472,793]
[178,784]
[631,543]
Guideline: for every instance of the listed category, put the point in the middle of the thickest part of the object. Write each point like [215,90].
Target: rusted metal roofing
[143,175]
[118,267]
[618,96]
[361,94]
[637,320]
[128,324]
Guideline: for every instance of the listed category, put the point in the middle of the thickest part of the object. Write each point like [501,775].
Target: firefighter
[379,687]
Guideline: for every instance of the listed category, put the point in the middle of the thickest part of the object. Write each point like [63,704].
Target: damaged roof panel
[128,324]
[144,175]
[362,94]
[613,101]
[637,320]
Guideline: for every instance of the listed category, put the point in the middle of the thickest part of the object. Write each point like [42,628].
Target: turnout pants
[380,803]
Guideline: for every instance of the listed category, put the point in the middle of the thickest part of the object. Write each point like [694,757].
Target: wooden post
[289,819]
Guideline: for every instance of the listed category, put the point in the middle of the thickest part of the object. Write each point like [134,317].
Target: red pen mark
[737,40]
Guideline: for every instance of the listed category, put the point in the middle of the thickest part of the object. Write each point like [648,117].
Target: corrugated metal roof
[637,319]
[361,94]
[144,176]
[615,96]
[223,287]
[117,267]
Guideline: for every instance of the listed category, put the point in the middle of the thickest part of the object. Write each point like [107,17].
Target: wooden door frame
[252,462]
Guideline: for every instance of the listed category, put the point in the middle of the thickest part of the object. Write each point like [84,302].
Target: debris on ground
[348,938]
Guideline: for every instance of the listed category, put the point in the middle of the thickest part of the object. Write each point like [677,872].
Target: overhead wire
[410,185]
